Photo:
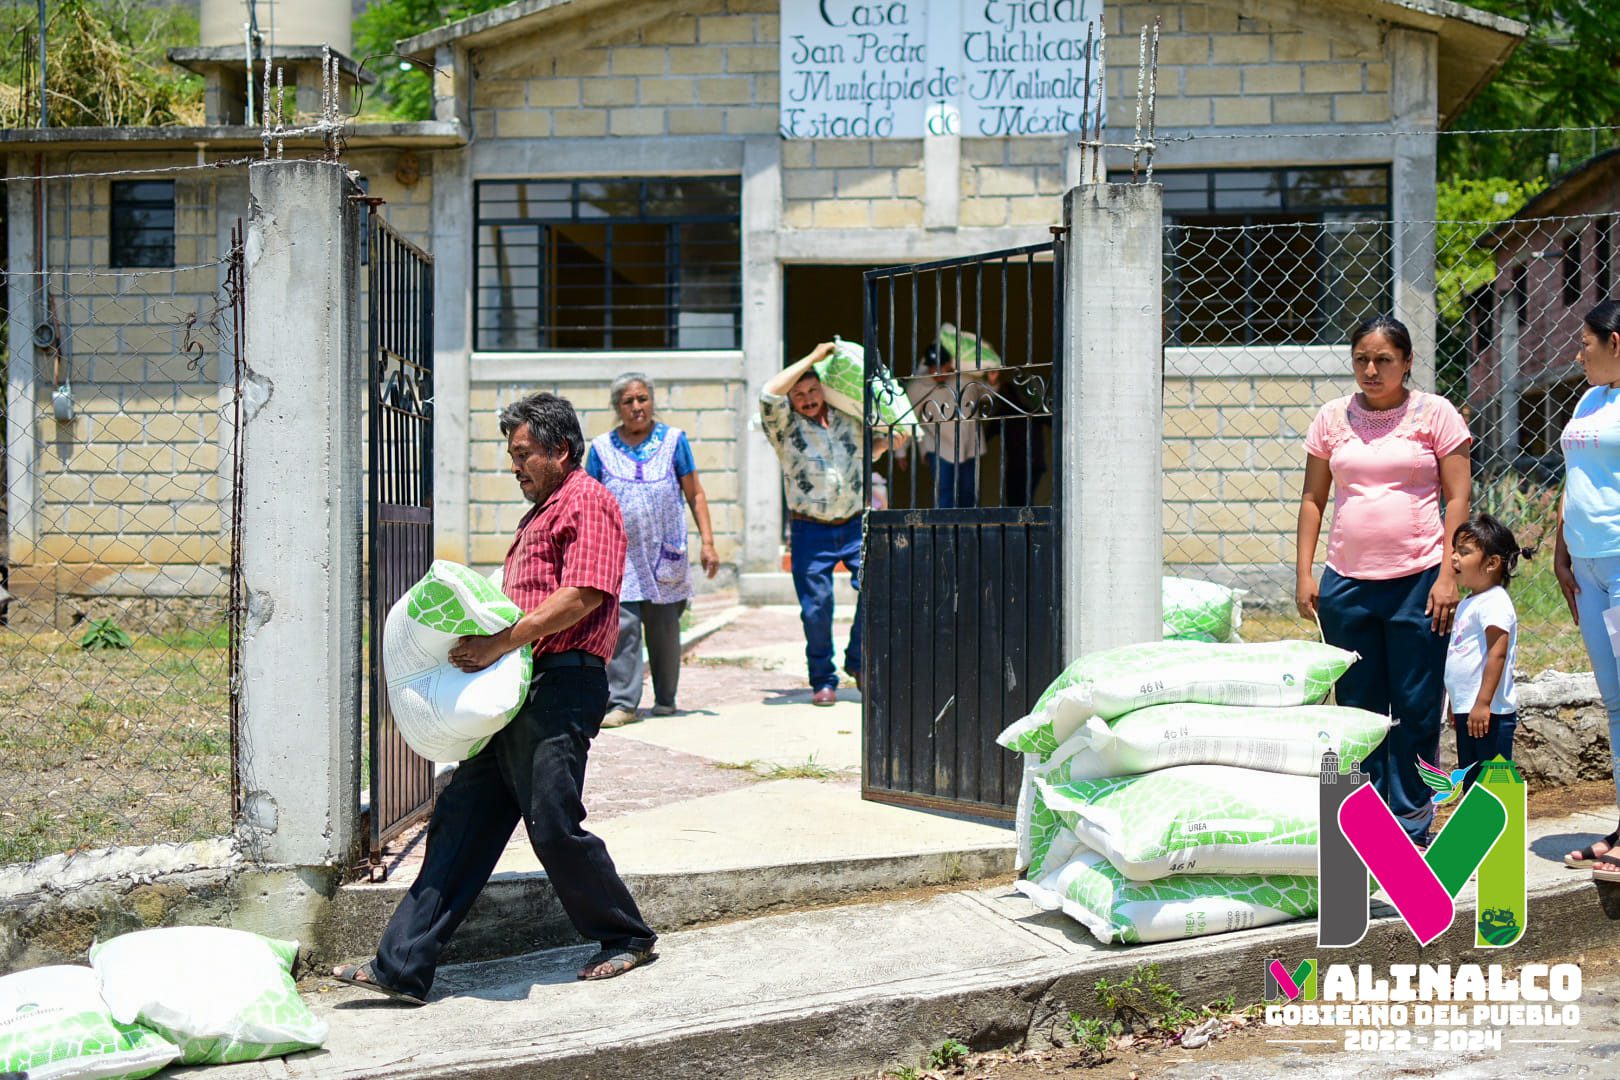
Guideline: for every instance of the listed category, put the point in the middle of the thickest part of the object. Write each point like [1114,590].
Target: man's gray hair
[551,420]
[624,382]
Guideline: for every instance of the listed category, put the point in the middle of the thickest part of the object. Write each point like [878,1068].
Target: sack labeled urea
[1290,739]
[843,378]
[221,995]
[1114,682]
[444,713]
[54,1025]
[1196,610]
[1193,819]
[1114,908]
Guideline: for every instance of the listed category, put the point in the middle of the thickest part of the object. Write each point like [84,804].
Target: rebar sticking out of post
[1141,91]
[1153,96]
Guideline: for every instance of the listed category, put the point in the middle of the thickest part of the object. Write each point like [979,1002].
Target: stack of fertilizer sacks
[1170,788]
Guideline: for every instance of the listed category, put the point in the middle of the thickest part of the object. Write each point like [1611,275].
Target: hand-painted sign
[905,68]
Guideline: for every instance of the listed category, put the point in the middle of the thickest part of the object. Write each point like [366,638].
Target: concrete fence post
[302,504]
[1112,535]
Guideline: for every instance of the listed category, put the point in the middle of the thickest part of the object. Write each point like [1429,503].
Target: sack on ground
[1089,890]
[220,995]
[1200,610]
[1117,681]
[446,714]
[54,1025]
[1288,740]
[843,375]
[1193,819]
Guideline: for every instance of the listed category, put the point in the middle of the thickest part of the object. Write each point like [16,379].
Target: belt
[568,658]
[796,516]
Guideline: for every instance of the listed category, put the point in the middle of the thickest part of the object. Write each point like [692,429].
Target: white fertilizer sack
[1089,890]
[1193,819]
[446,714]
[1289,739]
[55,1026]
[1200,610]
[1117,681]
[843,380]
[220,995]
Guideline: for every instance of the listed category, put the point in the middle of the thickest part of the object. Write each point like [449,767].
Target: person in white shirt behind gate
[1484,643]
[649,469]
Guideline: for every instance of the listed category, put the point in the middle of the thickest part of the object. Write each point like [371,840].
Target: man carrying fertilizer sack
[564,570]
[820,451]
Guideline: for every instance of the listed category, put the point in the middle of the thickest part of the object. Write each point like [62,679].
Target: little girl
[1484,641]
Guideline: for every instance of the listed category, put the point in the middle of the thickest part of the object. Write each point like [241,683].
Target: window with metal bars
[608,264]
[142,223]
[1287,256]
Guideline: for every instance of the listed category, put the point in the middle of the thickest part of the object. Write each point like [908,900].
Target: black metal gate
[399,285]
[960,575]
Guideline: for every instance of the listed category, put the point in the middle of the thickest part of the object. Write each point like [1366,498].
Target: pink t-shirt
[1387,512]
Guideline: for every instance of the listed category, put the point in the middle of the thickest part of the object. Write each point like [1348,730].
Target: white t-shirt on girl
[1465,659]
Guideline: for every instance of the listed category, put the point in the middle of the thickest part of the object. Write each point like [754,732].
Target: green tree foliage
[105,65]
[1466,209]
[405,90]
[1566,74]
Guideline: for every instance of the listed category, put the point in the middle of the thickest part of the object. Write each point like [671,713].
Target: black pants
[533,769]
[1401,673]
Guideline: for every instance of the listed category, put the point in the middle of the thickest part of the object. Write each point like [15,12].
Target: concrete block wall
[709,68]
[852,183]
[135,479]
[1234,462]
[1219,67]
[706,410]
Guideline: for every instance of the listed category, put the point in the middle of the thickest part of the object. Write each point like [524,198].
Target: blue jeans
[1599,580]
[1400,674]
[955,484]
[815,550]
[1498,739]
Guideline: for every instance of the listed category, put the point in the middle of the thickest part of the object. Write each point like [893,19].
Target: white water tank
[282,22]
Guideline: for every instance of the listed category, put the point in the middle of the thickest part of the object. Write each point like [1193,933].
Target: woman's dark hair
[551,420]
[1390,327]
[1604,320]
[1491,537]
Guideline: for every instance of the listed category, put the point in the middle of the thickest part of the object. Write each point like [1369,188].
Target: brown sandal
[362,976]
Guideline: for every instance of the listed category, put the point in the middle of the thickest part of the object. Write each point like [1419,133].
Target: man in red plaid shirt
[564,569]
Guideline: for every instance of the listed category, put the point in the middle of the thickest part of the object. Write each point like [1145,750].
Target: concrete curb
[695,636]
[519,913]
[841,1034]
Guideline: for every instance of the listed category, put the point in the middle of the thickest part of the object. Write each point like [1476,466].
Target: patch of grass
[808,769]
[904,1072]
[117,746]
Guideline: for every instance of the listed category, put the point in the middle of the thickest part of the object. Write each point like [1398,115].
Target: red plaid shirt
[575,538]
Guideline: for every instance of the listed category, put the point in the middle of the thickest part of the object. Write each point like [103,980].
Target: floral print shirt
[821,465]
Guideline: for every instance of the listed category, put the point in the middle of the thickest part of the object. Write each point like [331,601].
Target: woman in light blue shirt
[1587,558]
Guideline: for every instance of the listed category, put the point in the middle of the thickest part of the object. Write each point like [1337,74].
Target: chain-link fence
[116,653]
[1257,318]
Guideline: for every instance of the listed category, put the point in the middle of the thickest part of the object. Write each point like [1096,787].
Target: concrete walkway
[746,802]
[850,990]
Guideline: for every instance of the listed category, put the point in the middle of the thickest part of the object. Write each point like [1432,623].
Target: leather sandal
[1587,857]
[365,978]
[619,961]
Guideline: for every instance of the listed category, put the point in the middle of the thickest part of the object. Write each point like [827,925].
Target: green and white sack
[444,713]
[1288,740]
[1193,819]
[54,1025]
[1117,681]
[1114,908]
[1200,610]
[221,995]
[971,354]
[842,376]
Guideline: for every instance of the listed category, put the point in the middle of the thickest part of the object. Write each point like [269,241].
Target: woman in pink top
[1396,461]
